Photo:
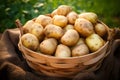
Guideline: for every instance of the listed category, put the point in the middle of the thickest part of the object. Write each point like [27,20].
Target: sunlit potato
[27,26]
[48,46]
[100,29]
[53,31]
[92,17]
[70,38]
[60,20]
[62,51]
[94,42]
[37,30]
[72,16]
[43,20]
[84,27]
[30,41]
[80,50]
[63,10]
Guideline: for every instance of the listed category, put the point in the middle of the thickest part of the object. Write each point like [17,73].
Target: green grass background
[107,10]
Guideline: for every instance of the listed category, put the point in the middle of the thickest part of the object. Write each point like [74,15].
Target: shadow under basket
[65,67]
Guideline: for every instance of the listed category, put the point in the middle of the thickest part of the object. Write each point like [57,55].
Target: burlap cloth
[14,67]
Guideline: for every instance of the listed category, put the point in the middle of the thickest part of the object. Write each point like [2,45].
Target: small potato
[54,13]
[60,20]
[70,37]
[72,16]
[67,27]
[28,25]
[100,29]
[53,31]
[37,30]
[62,51]
[94,42]
[43,20]
[84,27]
[81,40]
[63,10]
[80,50]
[30,41]
[92,17]
[48,46]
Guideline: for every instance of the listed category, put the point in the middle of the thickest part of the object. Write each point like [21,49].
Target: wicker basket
[65,67]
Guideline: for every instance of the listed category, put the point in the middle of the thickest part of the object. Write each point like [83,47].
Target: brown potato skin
[92,17]
[80,50]
[62,51]
[43,20]
[72,16]
[68,26]
[63,10]
[53,31]
[37,30]
[70,38]
[84,27]
[100,29]
[48,46]
[27,26]
[94,42]
[30,41]
[60,20]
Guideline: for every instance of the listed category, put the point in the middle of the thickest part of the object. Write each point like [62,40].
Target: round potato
[30,41]
[70,37]
[37,30]
[48,46]
[92,17]
[43,20]
[84,27]
[100,29]
[63,10]
[67,27]
[94,42]
[72,16]
[54,13]
[81,40]
[28,25]
[53,31]
[60,20]
[80,50]
[62,51]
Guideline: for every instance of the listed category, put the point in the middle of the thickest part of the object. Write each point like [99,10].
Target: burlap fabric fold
[14,67]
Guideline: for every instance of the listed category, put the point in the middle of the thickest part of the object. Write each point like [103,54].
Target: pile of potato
[64,33]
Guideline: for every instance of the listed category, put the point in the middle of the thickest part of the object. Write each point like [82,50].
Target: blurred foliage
[107,10]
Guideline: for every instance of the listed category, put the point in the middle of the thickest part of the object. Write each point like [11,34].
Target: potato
[43,20]
[100,29]
[72,16]
[48,46]
[28,25]
[37,30]
[81,40]
[53,31]
[94,42]
[60,20]
[70,37]
[68,26]
[80,50]
[92,17]
[63,10]
[84,27]
[54,13]
[30,41]
[62,51]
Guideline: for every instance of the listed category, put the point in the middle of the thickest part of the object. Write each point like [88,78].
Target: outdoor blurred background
[107,10]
